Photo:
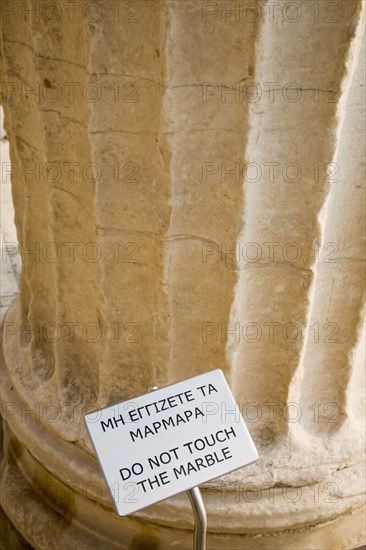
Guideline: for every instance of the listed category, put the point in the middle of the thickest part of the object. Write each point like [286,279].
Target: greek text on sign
[170,440]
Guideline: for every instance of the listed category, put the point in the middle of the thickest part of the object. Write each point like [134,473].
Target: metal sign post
[200,519]
[199,513]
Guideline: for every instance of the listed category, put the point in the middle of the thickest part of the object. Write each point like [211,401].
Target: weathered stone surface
[188,191]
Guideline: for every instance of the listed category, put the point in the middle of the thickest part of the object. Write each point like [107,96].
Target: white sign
[170,440]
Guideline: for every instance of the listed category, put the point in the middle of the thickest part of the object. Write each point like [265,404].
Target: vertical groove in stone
[69,191]
[206,128]
[282,207]
[336,313]
[162,347]
[30,197]
[132,196]
[356,388]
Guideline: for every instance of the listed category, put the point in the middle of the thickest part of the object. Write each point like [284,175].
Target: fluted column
[188,188]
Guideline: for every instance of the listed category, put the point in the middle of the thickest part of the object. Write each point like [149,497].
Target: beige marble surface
[175,165]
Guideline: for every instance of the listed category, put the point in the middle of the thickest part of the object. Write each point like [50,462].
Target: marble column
[188,183]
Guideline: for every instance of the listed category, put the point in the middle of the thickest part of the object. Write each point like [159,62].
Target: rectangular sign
[170,440]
